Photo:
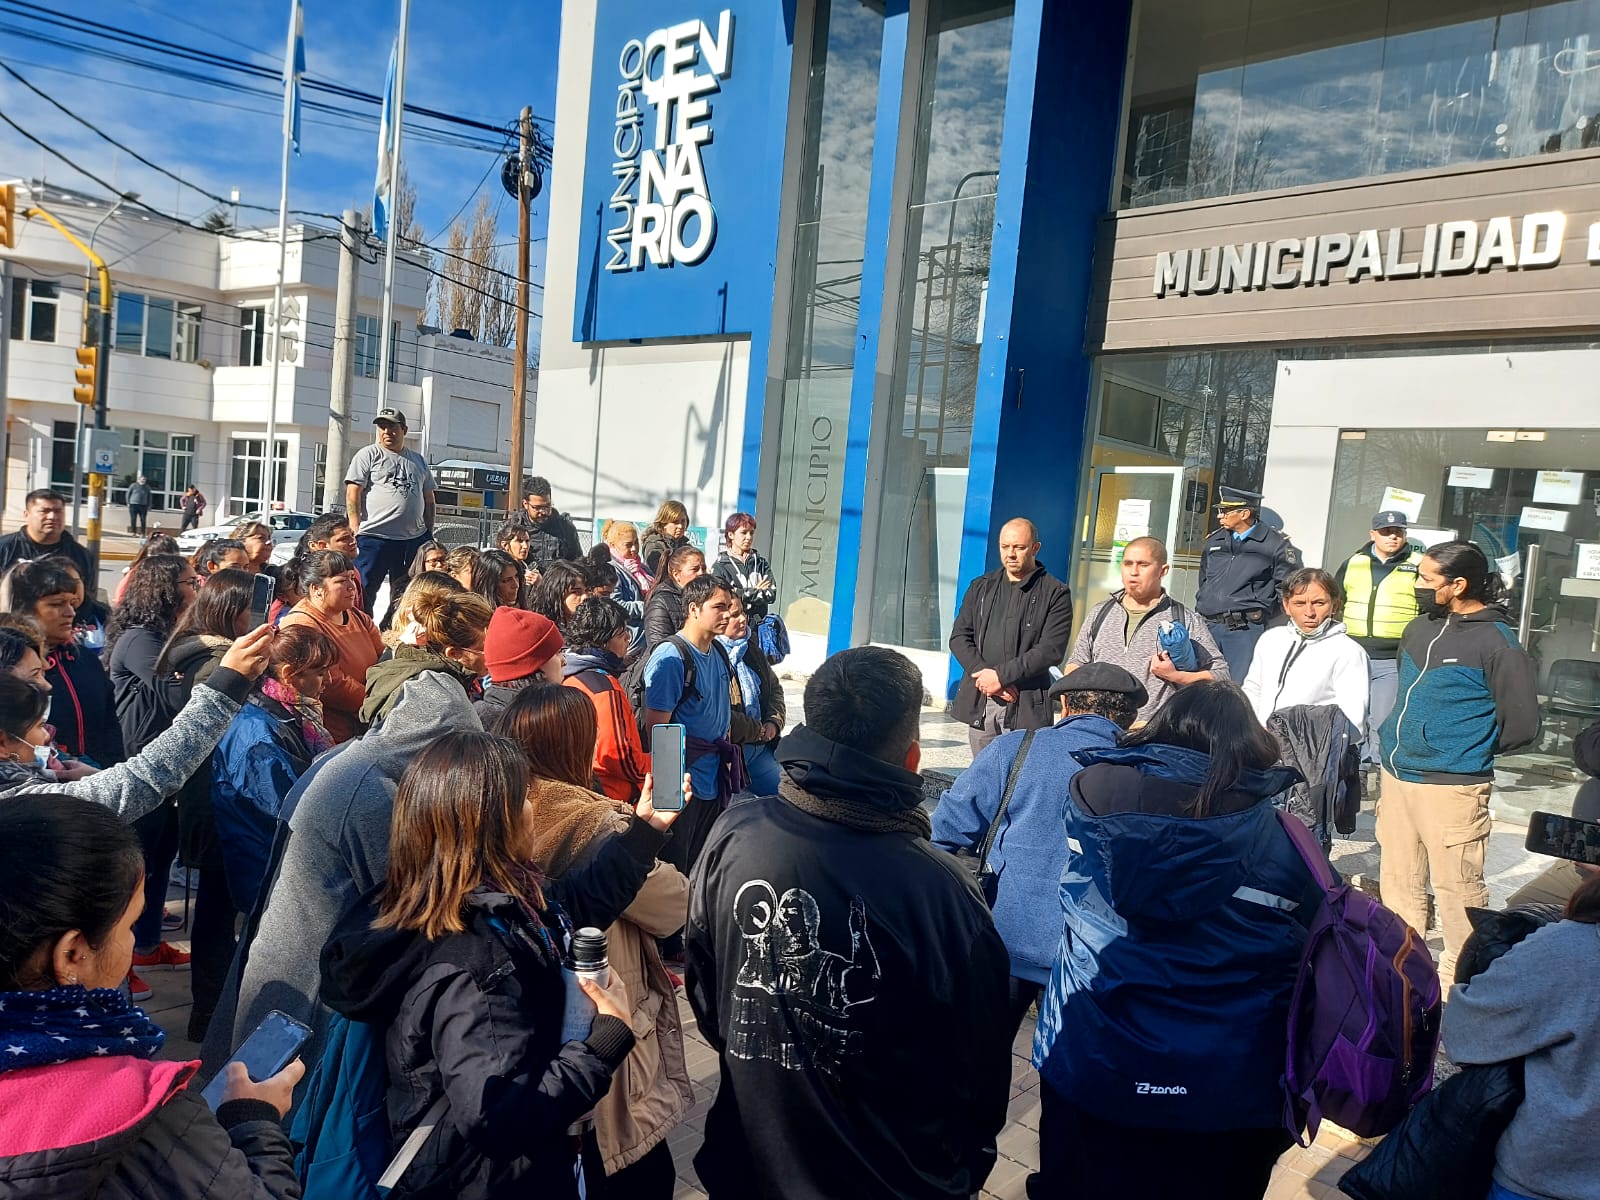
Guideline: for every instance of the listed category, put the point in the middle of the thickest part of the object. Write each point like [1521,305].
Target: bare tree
[477,293]
[407,229]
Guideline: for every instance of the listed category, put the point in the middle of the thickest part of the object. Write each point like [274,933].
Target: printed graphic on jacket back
[794,1002]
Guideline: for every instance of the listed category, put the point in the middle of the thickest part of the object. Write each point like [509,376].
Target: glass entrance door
[1127,503]
[1530,499]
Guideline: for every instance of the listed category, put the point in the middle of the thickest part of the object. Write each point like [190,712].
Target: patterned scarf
[634,566]
[309,711]
[72,1022]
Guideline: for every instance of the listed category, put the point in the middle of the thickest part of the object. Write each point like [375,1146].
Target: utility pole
[519,369]
[6,300]
[344,362]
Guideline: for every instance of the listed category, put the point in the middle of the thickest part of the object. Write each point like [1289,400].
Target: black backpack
[633,681]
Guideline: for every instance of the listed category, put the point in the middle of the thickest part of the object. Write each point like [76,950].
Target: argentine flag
[294,66]
[383,186]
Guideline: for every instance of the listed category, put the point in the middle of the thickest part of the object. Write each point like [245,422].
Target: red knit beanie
[519,643]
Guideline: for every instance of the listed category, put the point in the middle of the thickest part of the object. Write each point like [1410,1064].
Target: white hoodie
[1326,667]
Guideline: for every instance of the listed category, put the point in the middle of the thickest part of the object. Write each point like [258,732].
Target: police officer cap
[1101,677]
[1232,497]
[1390,518]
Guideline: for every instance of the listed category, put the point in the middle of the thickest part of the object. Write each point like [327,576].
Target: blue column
[874,312]
[1057,158]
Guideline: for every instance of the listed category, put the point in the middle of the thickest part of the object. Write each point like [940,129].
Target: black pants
[653,1177]
[211,944]
[380,558]
[157,832]
[138,518]
[1023,993]
[689,833]
[191,520]
[1082,1157]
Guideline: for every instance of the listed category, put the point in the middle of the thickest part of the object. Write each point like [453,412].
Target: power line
[146,42]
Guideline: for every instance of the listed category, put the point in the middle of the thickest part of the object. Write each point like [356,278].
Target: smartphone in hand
[667,766]
[262,590]
[1564,837]
[271,1048]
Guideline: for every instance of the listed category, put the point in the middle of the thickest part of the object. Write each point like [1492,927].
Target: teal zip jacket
[1468,691]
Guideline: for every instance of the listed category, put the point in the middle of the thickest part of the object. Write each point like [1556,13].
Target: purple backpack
[1364,1020]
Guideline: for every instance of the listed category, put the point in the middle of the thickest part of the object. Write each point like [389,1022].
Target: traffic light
[8,216]
[84,374]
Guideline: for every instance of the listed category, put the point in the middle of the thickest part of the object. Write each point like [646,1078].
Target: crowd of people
[398,821]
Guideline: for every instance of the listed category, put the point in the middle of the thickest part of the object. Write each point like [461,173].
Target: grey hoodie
[335,849]
[138,786]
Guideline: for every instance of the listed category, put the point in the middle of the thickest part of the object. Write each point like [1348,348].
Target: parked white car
[287,526]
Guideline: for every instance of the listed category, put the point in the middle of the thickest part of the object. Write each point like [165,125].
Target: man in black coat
[551,535]
[43,533]
[1014,625]
[846,971]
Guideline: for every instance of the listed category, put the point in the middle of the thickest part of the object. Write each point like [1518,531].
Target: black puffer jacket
[177,1151]
[192,659]
[663,613]
[82,706]
[476,1015]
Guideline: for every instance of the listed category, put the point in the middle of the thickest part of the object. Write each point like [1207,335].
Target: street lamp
[77,458]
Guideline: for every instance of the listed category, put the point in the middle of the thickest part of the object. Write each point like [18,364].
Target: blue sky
[482,59]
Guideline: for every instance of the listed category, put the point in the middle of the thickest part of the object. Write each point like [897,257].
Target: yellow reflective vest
[1381,611]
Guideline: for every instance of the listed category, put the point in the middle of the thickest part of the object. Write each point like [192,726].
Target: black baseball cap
[1101,677]
[1390,518]
[390,416]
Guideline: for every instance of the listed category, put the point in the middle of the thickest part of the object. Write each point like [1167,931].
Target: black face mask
[1428,602]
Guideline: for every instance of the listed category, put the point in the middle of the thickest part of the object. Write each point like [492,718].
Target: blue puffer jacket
[258,760]
[1029,850]
[1168,1006]
[1468,691]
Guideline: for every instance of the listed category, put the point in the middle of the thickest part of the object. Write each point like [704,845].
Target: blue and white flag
[383,186]
[294,66]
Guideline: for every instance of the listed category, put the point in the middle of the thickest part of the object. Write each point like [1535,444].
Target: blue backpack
[342,1124]
[773,637]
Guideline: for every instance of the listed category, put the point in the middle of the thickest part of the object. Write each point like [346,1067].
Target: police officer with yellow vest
[1242,566]
[1379,602]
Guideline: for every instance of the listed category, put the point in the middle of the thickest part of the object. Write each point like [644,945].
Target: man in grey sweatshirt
[1540,1002]
[335,848]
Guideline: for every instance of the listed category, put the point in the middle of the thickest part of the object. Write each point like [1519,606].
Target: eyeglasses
[538,508]
[191,581]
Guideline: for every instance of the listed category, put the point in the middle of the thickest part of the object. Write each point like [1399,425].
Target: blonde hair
[459,619]
[620,528]
[427,584]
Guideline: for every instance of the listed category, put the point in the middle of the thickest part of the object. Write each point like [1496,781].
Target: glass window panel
[825,304]
[366,346]
[186,345]
[1232,97]
[43,307]
[252,333]
[130,323]
[158,328]
[19,309]
[950,227]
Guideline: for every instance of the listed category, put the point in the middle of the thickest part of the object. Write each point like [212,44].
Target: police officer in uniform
[1242,566]
[1379,602]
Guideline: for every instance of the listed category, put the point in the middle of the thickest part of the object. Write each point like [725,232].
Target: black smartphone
[1564,837]
[262,591]
[268,1050]
[666,765]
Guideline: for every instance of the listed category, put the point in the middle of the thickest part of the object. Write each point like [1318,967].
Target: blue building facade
[946,262]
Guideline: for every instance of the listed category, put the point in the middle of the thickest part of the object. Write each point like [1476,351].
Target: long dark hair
[153,598]
[320,530]
[215,610]
[600,567]
[457,823]
[1463,560]
[33,580]
[486,574]
[558,581]
[1214,718]
[23,705]
[65,864]
[322,565]
[557,729]
[209,555]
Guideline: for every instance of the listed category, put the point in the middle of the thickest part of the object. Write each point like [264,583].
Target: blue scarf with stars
[64,1024]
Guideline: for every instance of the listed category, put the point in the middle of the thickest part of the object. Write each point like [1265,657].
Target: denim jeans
[380,558]
[1383,675]
[762,767]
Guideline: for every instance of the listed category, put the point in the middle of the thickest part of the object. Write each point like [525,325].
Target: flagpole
[271,463]
[385,342]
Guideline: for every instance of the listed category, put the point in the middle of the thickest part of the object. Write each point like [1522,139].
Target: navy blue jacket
[1168,1006]
[1468,691]
[1030,848]
[1241,574]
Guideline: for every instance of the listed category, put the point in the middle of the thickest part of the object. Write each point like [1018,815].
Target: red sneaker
[139,989]
[164,957]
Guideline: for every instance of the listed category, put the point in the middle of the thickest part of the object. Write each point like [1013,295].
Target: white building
[190,378]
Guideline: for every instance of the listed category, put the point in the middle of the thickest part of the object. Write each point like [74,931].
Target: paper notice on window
[1424,538]
[1553,519]
[1587,562]
[1471,477]
[1409,503]
[1133,521]
[1558,487]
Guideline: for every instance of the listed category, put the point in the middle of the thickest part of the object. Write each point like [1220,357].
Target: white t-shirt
[393,488]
